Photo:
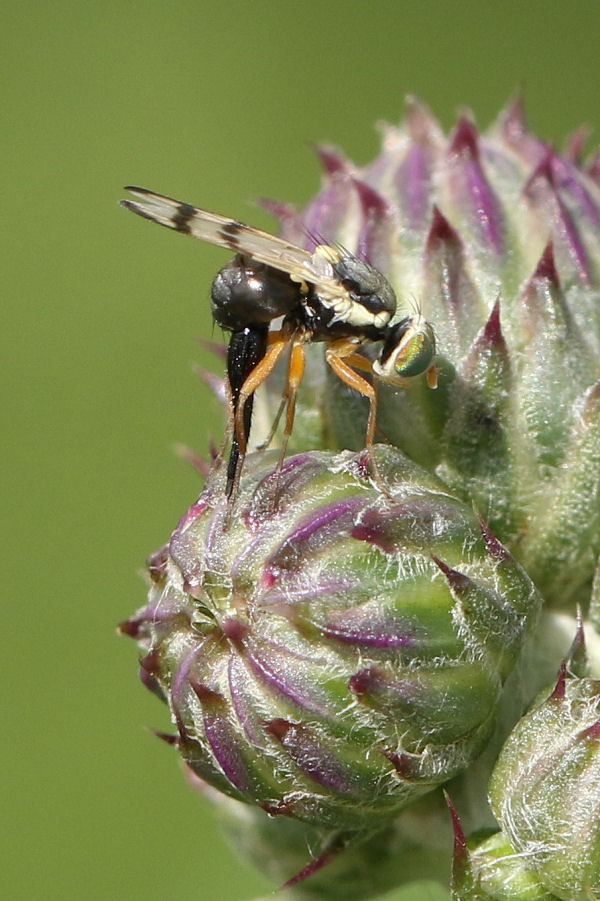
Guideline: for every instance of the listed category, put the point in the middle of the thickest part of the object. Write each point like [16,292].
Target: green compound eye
[415,353]
[409,351]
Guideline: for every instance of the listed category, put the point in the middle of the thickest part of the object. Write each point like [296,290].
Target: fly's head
[408,351]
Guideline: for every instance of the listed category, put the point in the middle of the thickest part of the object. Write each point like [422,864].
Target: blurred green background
[216,103]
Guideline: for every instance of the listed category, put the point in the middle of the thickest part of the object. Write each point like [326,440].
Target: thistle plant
[363,628]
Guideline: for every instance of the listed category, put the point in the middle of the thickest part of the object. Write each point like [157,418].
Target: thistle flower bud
[494,236]
[545,789]
[335,653]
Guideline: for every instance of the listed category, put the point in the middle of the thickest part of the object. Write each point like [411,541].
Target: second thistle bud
[338,653]
[545,790]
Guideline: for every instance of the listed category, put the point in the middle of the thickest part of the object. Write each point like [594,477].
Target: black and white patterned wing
[301,265]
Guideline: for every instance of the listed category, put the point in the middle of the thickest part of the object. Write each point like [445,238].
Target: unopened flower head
[338,655]
[495,239]
[545,790]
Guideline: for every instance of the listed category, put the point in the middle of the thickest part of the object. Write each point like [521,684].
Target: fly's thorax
[246,292]
[366,299]
[408,351]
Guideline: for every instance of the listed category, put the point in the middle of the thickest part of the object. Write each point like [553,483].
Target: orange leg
[294,378]
[341,356]
[277,344]
[357,361]
[295,375]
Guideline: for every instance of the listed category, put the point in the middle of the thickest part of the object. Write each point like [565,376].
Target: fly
[325,295]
